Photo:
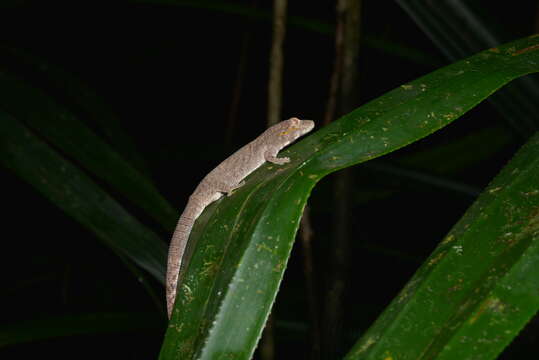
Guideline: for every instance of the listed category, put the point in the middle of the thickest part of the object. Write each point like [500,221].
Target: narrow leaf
[78,196]
[479,287]
[63,130]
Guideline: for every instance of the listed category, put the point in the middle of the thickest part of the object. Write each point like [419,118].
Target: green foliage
[477,290]
[243,242]
[468,300]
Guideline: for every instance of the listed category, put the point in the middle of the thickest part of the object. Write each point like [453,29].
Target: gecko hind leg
[227,189]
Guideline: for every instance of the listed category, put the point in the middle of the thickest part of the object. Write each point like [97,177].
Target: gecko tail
[176,251]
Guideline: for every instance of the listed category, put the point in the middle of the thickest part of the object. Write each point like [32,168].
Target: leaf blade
[484,273]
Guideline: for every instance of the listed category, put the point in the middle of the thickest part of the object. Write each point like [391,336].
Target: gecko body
[222,180]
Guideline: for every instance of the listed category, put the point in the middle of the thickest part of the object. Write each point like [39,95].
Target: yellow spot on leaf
[525,50]
[448,239]
[436,258]
[492,304]
[531,193]
[264,247]
[368,343]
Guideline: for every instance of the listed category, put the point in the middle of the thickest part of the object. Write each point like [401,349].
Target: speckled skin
[226,177]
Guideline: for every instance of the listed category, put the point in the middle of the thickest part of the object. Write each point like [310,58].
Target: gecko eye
[288,130]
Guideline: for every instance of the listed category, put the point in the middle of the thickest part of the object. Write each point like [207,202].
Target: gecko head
[291,129]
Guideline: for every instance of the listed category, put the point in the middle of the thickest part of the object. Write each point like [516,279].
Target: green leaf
[479,287]
[243,241]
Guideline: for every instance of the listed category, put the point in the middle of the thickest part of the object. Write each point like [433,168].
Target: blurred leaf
[432,166]
[425,178]
[309,24]
[95,323]
[64,131]
[442,160]
[243,241]
[78,196]
[77,96]
[459,30]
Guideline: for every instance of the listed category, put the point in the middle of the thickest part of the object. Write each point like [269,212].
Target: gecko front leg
[271,156]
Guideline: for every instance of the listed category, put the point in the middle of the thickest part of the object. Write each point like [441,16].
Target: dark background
[168,73]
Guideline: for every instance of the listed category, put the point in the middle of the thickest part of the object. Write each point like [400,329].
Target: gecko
[226,177]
